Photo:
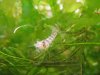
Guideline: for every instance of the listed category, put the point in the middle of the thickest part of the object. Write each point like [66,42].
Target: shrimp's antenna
[19,28]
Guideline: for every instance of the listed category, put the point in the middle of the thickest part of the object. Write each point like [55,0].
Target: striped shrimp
[45,44]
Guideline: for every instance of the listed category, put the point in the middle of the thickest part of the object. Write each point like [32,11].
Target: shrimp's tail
[55,28]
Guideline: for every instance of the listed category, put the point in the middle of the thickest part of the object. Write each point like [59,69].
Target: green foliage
[75,50]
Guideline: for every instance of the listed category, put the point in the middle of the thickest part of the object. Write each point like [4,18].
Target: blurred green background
[75,51]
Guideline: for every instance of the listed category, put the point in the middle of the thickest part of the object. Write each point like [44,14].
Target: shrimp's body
[45,44]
